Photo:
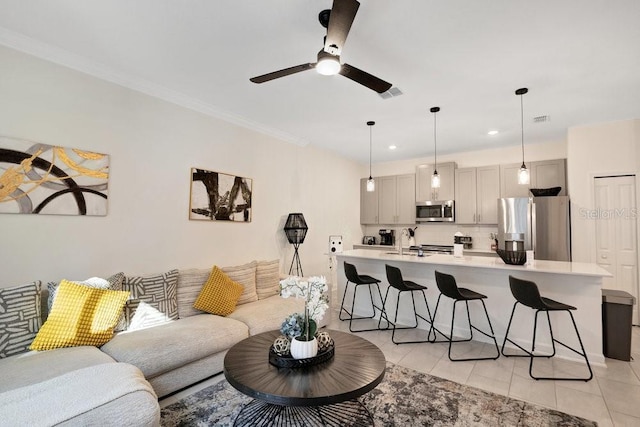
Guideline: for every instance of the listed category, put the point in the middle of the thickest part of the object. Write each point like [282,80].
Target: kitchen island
[574,283]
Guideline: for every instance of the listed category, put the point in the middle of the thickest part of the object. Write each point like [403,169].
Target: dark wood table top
[357,367]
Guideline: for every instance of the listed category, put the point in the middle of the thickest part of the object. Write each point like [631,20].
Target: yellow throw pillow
[219,294]
[80,315]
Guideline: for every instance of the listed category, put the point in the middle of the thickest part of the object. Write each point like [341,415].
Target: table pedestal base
[348,413]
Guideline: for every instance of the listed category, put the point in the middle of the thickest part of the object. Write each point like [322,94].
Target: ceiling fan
[337,21]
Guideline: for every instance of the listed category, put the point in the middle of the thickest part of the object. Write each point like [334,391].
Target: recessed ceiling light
[392,147]
[492,132]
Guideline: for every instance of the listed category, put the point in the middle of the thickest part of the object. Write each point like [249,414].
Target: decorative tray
[290,362]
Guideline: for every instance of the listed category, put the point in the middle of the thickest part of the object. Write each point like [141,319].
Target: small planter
[304,349]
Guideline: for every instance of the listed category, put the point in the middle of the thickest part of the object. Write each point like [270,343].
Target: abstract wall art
[38,178]
[217,196]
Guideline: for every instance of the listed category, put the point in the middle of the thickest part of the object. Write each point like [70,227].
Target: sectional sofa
[120,382]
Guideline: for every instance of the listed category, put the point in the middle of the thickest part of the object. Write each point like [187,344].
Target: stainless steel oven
[435,211]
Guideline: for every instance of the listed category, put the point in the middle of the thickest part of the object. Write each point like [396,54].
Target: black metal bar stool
[394,277]
[526,293]
[448,287]
[360,280]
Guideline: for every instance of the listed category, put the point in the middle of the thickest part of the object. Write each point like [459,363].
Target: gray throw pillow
[153,299]
[20,318]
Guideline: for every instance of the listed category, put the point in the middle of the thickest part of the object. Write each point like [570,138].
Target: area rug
[404,398]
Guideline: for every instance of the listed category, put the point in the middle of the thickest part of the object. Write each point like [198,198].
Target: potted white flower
[314,291]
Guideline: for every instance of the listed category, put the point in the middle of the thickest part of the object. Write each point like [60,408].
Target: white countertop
[378,247]
[480,251]
[554,267]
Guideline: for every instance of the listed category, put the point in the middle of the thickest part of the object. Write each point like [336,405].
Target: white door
[616,242]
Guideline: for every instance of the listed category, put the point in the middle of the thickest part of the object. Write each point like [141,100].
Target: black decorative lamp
[296,230]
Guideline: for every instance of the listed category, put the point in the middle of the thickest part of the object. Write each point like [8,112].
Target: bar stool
[526,293]
[448,287]
[394,277]
[359,280]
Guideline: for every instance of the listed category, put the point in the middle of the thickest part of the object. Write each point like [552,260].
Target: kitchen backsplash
[439,234]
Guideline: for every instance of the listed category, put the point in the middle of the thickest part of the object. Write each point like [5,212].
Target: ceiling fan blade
[342,15]
[364,78]
[282,73]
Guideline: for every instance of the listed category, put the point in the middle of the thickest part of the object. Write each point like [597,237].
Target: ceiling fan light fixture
[328,64]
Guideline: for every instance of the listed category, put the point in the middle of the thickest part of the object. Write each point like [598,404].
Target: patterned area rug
[404,398]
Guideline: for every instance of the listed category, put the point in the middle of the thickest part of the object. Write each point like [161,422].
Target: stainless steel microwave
[435,211]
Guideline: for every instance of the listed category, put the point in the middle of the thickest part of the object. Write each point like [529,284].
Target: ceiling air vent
[391,93]
[541,119]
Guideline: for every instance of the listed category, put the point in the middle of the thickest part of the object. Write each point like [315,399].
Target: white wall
[597,150]
[153,144]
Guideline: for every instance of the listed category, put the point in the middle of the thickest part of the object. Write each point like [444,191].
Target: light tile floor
[612,397]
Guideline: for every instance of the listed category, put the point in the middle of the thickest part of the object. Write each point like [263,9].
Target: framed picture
[42,179]
[217,196]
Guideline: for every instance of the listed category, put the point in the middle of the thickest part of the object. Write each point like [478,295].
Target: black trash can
[617,313]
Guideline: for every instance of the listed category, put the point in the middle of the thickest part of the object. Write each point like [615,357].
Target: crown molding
[84,65]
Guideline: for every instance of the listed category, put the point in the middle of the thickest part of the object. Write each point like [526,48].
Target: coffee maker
[387,237]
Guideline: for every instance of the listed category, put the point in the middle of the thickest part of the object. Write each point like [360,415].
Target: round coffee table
[323,394]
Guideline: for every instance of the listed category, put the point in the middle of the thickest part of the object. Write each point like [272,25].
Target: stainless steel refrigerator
[541,224]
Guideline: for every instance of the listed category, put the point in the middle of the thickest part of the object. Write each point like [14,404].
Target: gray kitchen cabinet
[368,203]
[406,206]
[549,173]
[542,174]
[509,186]
[477,192]
[396,203]
[446,191]
[465,195]
[487,194]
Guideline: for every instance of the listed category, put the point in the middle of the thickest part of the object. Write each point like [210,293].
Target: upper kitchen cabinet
[476,195]
[548,174]
[543,174]
[487,194]
[465,195]
[396,199]
[425,192]
[509,186]
[368,203]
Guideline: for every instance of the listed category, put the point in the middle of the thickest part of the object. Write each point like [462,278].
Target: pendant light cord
[522,126]
[435,145]
[370,145]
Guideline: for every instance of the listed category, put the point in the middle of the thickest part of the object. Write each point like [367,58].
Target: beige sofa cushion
[267,314]
[245,275]
[268,278]
[35,366]
[166,347]
[190,283]
[72,397]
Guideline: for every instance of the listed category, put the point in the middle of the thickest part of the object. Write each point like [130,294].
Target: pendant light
[435,178]
[523,173]
[371,184]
